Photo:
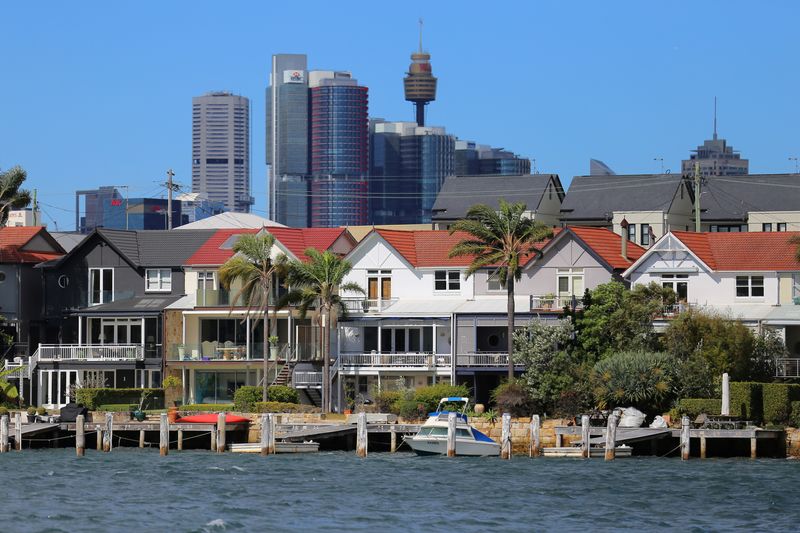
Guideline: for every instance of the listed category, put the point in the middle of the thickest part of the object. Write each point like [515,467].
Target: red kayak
[211,419]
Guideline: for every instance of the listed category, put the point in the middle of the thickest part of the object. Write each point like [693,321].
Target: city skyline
[555,103]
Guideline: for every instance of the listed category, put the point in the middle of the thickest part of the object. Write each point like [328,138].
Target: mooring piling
[451,434]
[221,432]
[393,440]
[99,439]
[611,437]
[141,438]
[585,452]
[267,434]
[361,435]
[535,442]
[180,439]
[505,437]
[685,437]
[4,434]
[108,436]
[18,431]
[80,436]
[163,445]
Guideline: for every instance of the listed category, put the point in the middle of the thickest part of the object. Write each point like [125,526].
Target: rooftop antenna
[420,34]
[715,118]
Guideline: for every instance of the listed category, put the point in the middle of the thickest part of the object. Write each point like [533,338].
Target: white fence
[90,352]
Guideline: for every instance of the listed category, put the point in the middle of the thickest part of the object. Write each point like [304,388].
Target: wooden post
[80,436]
[685,436]
[180,439]
[99,430]
[753,447]
[213,439]
[163,444]
[611,437]
[4,434]
[726,395]
[536,440]
[221,432]
[451,434]
[703,445]
[585,436]
[267,434]
[505,437]
[109,433]
[361,435]
[393,440]
[18,431]
[559,440]
[141,438]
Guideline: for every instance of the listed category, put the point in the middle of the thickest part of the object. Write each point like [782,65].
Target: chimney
[624,225]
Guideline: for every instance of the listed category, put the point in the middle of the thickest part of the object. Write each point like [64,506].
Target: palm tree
[11,196]
[7,390]
[320,281]
[501,239]
[254,266]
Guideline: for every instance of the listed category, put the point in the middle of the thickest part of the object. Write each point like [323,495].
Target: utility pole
[697,178]
[170,188]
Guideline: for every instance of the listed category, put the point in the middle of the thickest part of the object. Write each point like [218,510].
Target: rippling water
[136,490]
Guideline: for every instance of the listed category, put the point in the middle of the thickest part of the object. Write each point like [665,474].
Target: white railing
[367,305]
[483,359]
[90,352]
[555,302]
[424,360]
[307,379]
[16,370]
[787,368]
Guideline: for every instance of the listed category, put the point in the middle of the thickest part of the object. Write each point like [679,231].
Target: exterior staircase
[284,376]
[314,396]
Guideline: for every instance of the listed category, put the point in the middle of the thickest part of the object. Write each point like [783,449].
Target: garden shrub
[94,398]
[408,409]
[777,401]
[117,407]
[693,407]
[3,411]
[284,407]
[512,397]
[208,407]
[388,401]
[282,393]
[795,415]
[246,397]
[429,396]
[640,379]
[746,400]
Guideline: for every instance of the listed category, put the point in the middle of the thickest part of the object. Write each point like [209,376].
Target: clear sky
[99,93]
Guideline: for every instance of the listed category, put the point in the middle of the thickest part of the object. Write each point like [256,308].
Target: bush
[746,400]
[3,411]
[693,407]
[387,401]
[429,396]
[41,411]
[777,401]
[512,397]
[31,411]
[282,393]
[246,397]
[408,409]
[93,398]
[795,416]
[208,407]
[284,407]
[117,407]
[641,379]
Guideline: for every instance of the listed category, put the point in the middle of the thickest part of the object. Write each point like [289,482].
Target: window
[493,282]
[379,285]
[158,280]
[2,277]
[570,282]
[736,228]
[101,285]
[749,286]
[766,226]
[447,280]
[632,232]
[645,240]
[781,226]
[679,283]
[206,280]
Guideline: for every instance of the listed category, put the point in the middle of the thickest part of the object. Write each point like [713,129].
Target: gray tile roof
[596,197]
[732,197]
[67,239]
[170,248]
[124,240]
[459,193]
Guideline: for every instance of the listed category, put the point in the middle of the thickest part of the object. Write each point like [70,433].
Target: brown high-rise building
[420,83]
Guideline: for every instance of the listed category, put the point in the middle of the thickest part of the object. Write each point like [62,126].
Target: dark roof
[596,197]
[459,193]
[68,239]
[140,305]
[732,197]
[124,241]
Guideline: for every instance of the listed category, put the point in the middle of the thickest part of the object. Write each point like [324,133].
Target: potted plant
[273,347]
[349,398]
[172,383]
[548,300]
[182,352]
[31,414]
[138,413]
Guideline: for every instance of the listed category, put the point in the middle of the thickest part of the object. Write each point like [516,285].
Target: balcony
[367,305]
[90,352]
[549,302]
[213,298]
[787,368]
[306,380]
[483,359]
[395,360]
[224,351]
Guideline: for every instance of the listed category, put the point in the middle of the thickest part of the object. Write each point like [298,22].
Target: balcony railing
[411,359]
[483,359]
[217,351]
[787,368]
[305,380]
[548,302]
[213,298]
[90,352]
[367,305]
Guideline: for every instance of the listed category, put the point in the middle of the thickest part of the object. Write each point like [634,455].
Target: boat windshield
[442,432]
[454,404]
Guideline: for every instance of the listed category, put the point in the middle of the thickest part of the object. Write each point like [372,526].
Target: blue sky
[99,93]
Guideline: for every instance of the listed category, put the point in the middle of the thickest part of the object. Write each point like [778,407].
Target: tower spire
[715,118]
[420,34]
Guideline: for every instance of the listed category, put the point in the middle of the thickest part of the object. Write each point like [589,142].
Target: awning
[139,306]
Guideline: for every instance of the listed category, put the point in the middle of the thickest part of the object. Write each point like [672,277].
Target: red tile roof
[12,243]
[743,251]
[608,245]
[431,248]
[296,240]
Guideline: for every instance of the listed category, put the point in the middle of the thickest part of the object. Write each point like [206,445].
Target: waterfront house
[103,303]
[216,347]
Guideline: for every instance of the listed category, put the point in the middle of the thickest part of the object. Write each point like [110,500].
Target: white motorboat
[432,436]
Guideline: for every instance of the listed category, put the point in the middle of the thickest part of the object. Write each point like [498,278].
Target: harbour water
[198,491]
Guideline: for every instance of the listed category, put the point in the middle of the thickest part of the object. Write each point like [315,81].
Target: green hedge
[429,396]
[284,407]
[207,407]
[94,398]
[118,407]
[693,407]
[777,401]
[747,400]
[795,416]
[246,397]
[282,393]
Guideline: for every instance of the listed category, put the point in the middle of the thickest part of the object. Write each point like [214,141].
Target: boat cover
[480,436]
[211,419]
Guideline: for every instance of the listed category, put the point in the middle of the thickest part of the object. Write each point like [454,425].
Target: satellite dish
[668,171]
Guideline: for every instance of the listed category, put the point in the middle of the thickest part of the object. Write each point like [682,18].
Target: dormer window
[158,280]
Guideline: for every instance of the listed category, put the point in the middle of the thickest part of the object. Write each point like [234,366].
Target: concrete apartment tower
[221,149]
[287,139]
[716,157]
